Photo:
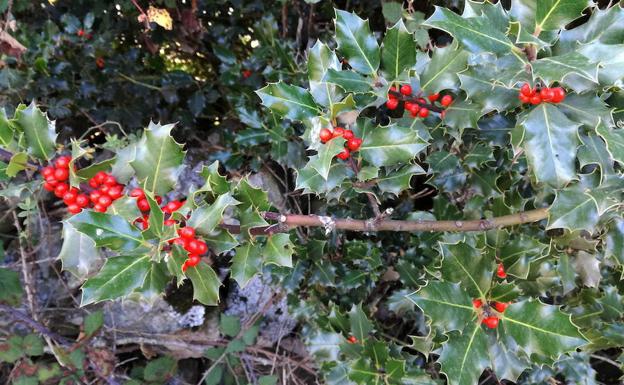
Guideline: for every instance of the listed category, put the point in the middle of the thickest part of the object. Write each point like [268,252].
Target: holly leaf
[356,42]
[465,264]
[321,59]
[557,68]
[611,60]
[17,163]
[550,141]
[385,146]
[594,151]
[573,210]
[490,95]
[465,355]
[279,250]
[553,15]
[442,71]
[322,161]
[586,108]
[207,217]
[398,51]
[360,324]
[476,34]
[158,159]
[604,25]
[542,331]
[107,230]
[446,304]
[118,277]
[291,102]
[349,81]
[220,241]
[206,284]
[395,181]
[250,196]
[246,263]
[614,243]
[78,254]
[155,282]
[614,138]
[310,180]
[39,131]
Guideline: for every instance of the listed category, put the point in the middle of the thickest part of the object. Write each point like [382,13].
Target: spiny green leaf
[614,138]
[206,284]
[279,250]
[386,146]
[398,51]
[326,155]
[573,210]
[356,42]
[158,159]
[360,324]
[320,60]
[250,196]
[38,129]
[442,71]
[349,81]
[292,102]
[550,141]
[557,68]
[78,254]
[246,263]
[468,265]
[107,230]
[446,304]
[119,277]
[207,217]
[464,356]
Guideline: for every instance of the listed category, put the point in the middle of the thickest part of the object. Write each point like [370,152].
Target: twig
[21,317]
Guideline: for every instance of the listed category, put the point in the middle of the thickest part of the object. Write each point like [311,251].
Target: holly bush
[453,204]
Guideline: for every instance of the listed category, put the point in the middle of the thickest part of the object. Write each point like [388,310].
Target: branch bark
[290,221]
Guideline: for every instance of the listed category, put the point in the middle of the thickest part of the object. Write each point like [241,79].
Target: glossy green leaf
[356,42]
[464,356]
[250,196]
[107,230]
[396,181]
[465,264]
[291,102]
[491,95]
[326,155]
[158,159]
[550,141]
[349,81]
[398,51]
[206,284]
[17,163]
[78,254]
[279,250]
[446,304]
[118,277]
[320,60]
[557,68]
[39,131]
[555,14]
[614,138]
[246,263]
[155,282]
[207,217]
[442,71]
[385,146]
[573,210]
[360,324]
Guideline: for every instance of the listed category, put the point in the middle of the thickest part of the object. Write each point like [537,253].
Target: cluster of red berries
[491,321]
[500,271]
[352,340]
[193,245]
[545,94]
[100,63]
[56,177]
[416,106]
[106,191]
[352,143]
[81,33]
[143,205]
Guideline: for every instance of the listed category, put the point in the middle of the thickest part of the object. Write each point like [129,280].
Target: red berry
[105,201]
[61,174]
[406,89]
[414,108]
[99,208]
[70,197]
[354,144]
[433,97]
[93,183]
[99,62]
[202,248]
[192,246]
[500,271]
[491,322]
[115,192]
[524,99]
[51,179]
[193,260]
[338,132]
[158,199]
[74,208]
[82,200]
[477,303]
[558,95]
[80,32]
[173,206]
[89,36]
[110,180]
[424,112]
[535,100]
[546,94]
[104,189]
[352,340]
[47,171]
[344,154]
[185,266]
[137,193]
[48,186]
[246,73]
[526,89]
[94,196]
[187,232]
[170,222]
[348,135]
[500,306]
[325,135]
[143,204]
[61,189]
[63,162]
[99,177]
[446,100]
[392,104]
